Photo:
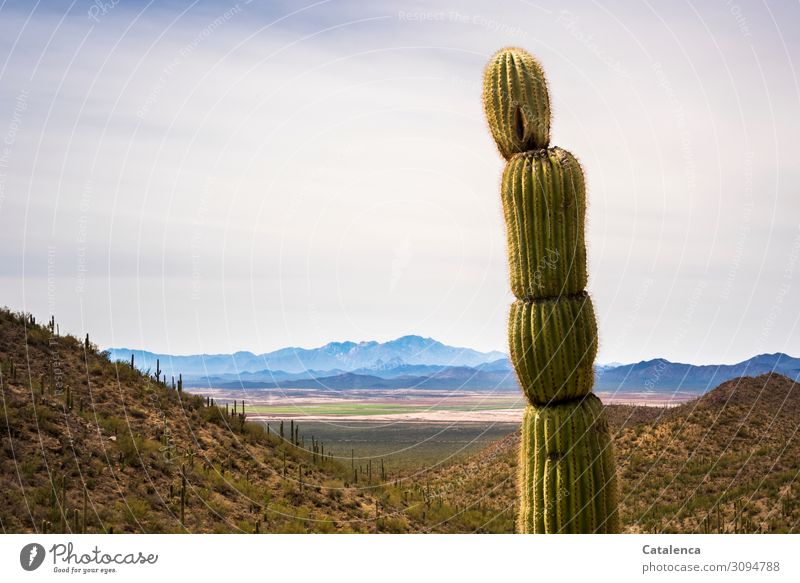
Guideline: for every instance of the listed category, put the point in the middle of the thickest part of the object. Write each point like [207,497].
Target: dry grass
[727,462]
[125,442]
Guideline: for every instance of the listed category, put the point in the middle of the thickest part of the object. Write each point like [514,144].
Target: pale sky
[214,176]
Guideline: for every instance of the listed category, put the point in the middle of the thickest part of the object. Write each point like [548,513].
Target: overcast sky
[214,176]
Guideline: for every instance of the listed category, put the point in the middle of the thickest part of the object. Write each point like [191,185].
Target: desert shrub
[135,448]
[135,510]
[113,424]
[254,432]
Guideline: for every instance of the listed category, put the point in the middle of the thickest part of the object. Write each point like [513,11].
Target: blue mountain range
[423,363]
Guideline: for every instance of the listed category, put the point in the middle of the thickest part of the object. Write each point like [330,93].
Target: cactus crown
[516,102]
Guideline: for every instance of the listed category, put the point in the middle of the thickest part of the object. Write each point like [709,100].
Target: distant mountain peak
[414,338]
[346,355]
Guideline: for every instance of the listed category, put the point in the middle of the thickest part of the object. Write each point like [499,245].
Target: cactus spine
[567,480]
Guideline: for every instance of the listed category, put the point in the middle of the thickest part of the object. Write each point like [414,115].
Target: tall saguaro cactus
[567,480]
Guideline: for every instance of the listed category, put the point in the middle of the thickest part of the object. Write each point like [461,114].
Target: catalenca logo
[31,556]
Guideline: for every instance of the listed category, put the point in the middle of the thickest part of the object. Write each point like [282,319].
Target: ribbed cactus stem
[569,486]
[567,481]
[544,203]
[553,343]
[516,102]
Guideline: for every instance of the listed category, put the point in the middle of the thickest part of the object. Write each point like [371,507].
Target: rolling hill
[725,462]
[90,445]
[662,376]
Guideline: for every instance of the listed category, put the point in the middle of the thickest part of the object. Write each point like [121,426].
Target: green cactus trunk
[567,480]
[553,343]
[567,472]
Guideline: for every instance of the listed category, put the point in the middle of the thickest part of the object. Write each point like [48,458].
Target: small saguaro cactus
[85,503]
[183,495]
[567,480]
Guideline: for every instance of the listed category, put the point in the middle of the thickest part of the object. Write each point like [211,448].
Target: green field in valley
[366,409]
[402,445]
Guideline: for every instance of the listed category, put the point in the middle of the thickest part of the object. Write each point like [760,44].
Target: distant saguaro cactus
[567,481]
[183,495]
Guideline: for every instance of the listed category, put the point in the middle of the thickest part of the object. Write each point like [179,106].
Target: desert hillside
[726,462]
[91,445]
